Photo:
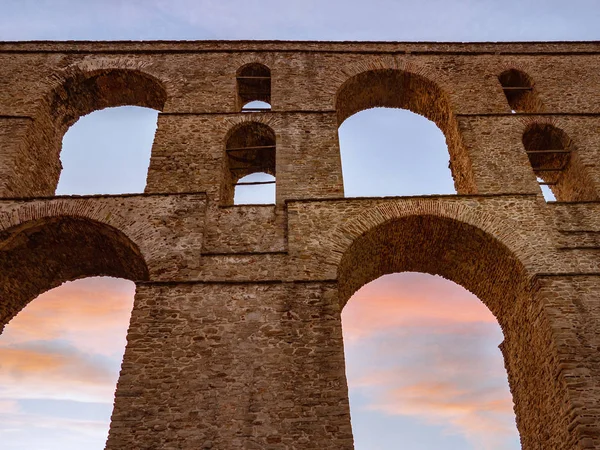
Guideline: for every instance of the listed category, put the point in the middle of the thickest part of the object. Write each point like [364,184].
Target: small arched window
[250,149]
[519,91]
[253,86]
[556,164]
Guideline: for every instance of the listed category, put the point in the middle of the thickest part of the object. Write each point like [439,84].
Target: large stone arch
[406,88]
[503,229]
[477,251]
[70,94]
[39,254]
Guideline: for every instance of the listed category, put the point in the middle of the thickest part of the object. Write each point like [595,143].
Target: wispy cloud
[68,343]
[91,315]
[419,302]
[27,373]
[9,407]
[423,347]
[33,431]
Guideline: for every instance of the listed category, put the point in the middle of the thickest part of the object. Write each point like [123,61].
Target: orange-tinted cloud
[30,373]
[484,418]
[420,346]
[67,343]
[91,314]
[411,300]
[9,407]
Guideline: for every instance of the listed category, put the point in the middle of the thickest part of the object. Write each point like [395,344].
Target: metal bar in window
[547,183]
[517,88]
[549,170]
[532,152]
[255,109]
[255,147]
[253,183]
[250,77]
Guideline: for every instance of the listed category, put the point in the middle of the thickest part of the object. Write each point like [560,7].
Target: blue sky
[462,20]
[423,365]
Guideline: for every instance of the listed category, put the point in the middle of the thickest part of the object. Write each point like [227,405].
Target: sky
[423,364]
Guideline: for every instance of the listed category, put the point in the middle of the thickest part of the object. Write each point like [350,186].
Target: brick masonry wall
[235,338]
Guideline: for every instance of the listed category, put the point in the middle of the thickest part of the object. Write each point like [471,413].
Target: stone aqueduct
[235,338]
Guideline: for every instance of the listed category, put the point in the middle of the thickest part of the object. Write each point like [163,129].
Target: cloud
[68,343]
[42,373]
[9,407]
[482,415]
[409,303]
[423,347]
[91,314]
[33,431]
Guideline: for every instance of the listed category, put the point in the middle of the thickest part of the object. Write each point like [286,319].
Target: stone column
[238,365]
[12,136]
[499,162]
[573,311]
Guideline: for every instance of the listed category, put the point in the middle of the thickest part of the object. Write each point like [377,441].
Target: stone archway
[75,93]
[396,88]
[38,255]
[431,241]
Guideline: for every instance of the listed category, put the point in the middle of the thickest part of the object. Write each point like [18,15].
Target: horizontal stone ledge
[14,117]
[99,196]
[567,274]
[412,197]
[533,114]
[356,47]
[232,282]
[245,114]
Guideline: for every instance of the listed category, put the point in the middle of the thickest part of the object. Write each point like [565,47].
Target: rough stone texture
[235,338]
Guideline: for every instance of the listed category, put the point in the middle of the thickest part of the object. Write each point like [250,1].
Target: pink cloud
[67,343]
[484,418]
[420,346]
[412,300]
[29,373]
[91,314]
[9,407]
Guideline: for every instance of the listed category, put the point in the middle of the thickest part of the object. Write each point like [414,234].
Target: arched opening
[393,152]
[554,159]
[39,255]
[472,258]
[519,90]
[61,358]
[36,257]
[78,94]
[250,149]
[389,88]
[108,152]
[424,369]
[253,85]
